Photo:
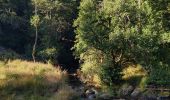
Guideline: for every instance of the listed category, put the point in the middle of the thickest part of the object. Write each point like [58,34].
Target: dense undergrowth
[6,54]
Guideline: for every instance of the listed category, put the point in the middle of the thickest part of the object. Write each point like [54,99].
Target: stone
[88,92]
[95,91]
[143,97]
[91,94]
[105,97]
[136,93]
[126,91]
[91,97]
[151,97]
[163,98]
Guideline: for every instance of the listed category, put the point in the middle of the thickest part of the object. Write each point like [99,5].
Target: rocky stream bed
[126,93]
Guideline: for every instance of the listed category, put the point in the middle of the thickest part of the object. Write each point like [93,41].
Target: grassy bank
[23,80]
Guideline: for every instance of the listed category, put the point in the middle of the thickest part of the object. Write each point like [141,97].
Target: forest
[84,49]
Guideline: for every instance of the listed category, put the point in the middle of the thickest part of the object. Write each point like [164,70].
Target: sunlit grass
[65,93]
[23,80]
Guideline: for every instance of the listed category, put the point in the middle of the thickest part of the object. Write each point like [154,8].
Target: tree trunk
[36,36]
[35,43]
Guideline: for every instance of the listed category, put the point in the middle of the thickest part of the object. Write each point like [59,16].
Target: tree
[125,32]
[55,29]
[35,22]
[14,24]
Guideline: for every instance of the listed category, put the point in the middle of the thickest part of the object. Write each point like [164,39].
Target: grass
[23,80]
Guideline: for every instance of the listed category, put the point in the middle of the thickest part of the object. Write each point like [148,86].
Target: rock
[79,89]
[105,97]
[163,98]
[148,95]
[136,93]
[91,91]
[126,91]
[143,97]
[91,94]
[151,97]
[91,97]
[95,91]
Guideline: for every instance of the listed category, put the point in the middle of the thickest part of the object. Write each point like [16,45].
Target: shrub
[98,70]
[135,75]
[111,74]
[49,54]
[7,54]
[160,75]
[91,67]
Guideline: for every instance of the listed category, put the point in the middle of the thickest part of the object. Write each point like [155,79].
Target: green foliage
[160,75]
[14,27]
[35,20]
[125,31]
[111,75]
[49,54]
[109,36]
[6,55]
[91,67]
[54,27]
[135,75]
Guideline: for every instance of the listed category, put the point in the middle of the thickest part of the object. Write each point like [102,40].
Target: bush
[135,75]
[110,74]
[49,54]
[7,54]
[91,67]
[98,70]
[160,75]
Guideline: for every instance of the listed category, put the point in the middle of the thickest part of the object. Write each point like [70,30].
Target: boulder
[143,97]
[136,93]
[163,98]
[91,94]
[148,96]
[91,97]
[105,97]
[126,91]
[151,97]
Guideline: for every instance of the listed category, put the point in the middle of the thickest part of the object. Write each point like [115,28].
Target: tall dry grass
[24,80]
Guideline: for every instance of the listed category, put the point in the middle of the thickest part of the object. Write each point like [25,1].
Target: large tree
[123,32]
